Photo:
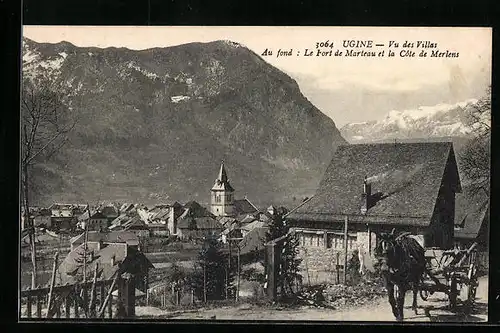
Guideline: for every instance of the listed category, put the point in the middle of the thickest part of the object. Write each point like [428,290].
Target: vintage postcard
[255,173]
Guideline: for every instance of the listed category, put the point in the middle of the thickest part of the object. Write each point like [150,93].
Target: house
[130,222]
[377,187]
[162,219]
[197,222]
[109,257]
[110,212]
[62,216]
[232,230]
[245,229]
[42,218]
[244,207]
[93,220]
[252,246]
[127,207]
[198,228]
[226,221]
[472,223]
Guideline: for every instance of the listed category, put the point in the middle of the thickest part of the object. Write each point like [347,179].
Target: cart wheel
[396,291]
[424,294]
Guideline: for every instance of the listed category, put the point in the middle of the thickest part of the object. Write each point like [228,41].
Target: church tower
[221,199]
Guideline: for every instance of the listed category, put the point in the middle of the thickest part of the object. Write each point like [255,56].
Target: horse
[403,266]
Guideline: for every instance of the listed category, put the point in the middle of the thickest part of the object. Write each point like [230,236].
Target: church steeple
[222,201]
[222,182]
[222,173]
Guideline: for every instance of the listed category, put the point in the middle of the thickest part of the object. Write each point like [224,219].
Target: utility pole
[204,281]
[238,278]
[237,239]
[345,248]
[85,246]
[228,272]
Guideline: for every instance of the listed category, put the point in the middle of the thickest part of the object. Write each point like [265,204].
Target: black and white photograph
[255,173]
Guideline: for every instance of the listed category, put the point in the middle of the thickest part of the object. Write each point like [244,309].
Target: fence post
[204,282]
[93,296]
[271,269]
[337,266]
[58,310]
[67,305]
[129,294]
[52,282]
[39,306]
[238,277]
[345,247]
[110,307]
[75,299]
[28,306]
[102,293]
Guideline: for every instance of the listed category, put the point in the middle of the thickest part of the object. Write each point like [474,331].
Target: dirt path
[433,310]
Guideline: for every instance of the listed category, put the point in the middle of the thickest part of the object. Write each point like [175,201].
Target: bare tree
[45,123]
[476,155]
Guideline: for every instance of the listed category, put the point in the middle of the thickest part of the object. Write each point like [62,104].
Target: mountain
[155,124]
[442,120]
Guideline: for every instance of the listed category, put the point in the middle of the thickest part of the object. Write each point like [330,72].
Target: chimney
[366,196]
[113,260]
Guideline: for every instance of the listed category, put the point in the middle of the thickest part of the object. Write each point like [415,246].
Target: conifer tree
[211,272]
[289,265]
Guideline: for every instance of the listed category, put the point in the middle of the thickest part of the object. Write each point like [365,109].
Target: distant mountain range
[429,122]
[155,124]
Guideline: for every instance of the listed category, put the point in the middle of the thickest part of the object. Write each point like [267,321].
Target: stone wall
[319,254]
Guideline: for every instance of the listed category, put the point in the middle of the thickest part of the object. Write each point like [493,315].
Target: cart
[453,272]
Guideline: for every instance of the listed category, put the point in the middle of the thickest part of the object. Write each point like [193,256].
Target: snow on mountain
[36,65]
[423,122]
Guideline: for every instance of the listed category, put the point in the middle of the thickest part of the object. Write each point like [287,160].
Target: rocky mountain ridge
[154,124]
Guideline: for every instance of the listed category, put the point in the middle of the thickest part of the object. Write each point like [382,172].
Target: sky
[347,89]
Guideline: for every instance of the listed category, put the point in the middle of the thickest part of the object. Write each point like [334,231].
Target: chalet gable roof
[110,259]
[244,206]
[405,180]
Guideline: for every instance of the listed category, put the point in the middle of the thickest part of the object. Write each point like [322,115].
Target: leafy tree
[45,124]
[476,155]
[176,274]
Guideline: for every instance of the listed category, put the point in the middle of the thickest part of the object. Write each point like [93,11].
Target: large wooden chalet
[378,187]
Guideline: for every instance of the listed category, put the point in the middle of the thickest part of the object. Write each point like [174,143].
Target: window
[335,240]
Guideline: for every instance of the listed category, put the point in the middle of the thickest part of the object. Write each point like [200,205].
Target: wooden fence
[166,294]
[71,301]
